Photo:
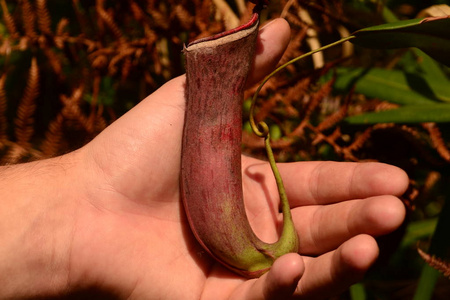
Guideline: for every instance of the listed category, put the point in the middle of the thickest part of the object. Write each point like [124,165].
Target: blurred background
[70,68]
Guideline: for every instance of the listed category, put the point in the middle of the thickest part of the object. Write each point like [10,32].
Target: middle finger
[322,228]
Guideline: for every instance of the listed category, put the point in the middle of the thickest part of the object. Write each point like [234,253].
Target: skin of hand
[108,216]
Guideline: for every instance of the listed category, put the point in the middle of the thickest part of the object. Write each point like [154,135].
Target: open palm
[131,236]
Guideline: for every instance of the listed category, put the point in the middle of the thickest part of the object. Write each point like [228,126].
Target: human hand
[131,238]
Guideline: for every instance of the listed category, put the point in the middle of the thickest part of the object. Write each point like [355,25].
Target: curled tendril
[261,128]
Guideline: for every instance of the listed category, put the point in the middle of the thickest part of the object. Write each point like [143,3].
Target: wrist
[37,209]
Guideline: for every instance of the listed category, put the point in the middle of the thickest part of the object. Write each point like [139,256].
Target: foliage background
[70,68]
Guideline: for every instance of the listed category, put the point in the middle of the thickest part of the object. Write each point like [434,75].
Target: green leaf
[427,282]
[394,86]
[431,35]
[439,113]
[358,292]
[418,230]
[429,66]
[275,132]
[388,15]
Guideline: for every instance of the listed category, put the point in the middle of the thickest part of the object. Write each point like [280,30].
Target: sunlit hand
[130,236]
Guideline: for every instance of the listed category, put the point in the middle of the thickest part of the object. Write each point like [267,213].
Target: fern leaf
[14,154]
[109,21]
[437,140]
[9,21]
[62,24]
[436,263]
[44,21]
[53,137]
[336,117]
[27,106]
[29,18]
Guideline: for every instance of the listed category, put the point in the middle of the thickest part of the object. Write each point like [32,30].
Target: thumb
[279,283]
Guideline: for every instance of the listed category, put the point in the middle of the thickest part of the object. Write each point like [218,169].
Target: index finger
[317,183]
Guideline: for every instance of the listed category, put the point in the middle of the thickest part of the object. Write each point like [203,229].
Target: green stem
[282,192]
[261,129]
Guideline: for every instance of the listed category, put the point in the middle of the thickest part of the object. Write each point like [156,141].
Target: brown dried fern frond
[55,62]
[384,105]
[337,134]
[108,20]
[360,140]
[60,35]
[43,16]
[24,120]
[417,140]
[185,18]
[81,18]
[202,11]
[436,263]
[337,116]
[29,19]
[331,139]
[431,181]
[53,136]
[14,154]
[72,111]
[159,18]
[318,96]
[99,121]
[61,26]
[9,20]
[267,106]
[297,90]
[137,11]
[293,49]
[121,55]
[313,103]
[140,16]
[437,140]
[71,118]
[126,68]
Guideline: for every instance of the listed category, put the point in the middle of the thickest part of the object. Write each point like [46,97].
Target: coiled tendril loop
[261,128]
